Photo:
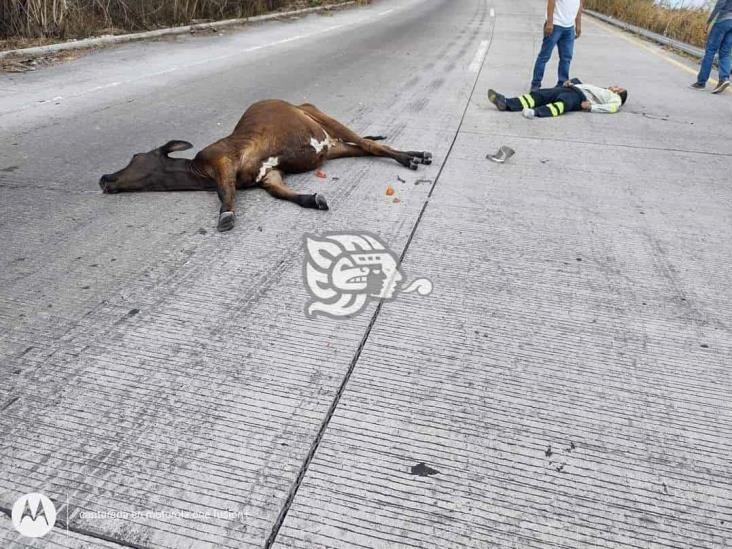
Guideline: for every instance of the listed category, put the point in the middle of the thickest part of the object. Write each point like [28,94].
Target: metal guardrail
[659,38]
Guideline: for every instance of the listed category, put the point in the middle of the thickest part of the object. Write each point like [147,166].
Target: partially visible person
[563,24]
[572,96]
[719,40]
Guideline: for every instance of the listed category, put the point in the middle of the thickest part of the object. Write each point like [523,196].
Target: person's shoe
[698,86]
[497,99]
[528,113]
[723,85]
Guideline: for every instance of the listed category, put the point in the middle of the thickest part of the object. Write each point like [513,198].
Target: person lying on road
[572,96]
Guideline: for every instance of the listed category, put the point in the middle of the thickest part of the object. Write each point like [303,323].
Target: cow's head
[150,171]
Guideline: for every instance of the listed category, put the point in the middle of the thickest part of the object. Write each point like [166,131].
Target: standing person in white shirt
[563,24]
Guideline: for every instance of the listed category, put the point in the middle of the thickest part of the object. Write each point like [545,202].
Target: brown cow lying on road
[271,139]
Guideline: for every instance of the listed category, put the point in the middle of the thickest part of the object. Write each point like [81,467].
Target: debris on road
[396,200]
[503,154]
[390,190]
[400,179]
[422,181]
[321,174]
[423,470]
[27,64]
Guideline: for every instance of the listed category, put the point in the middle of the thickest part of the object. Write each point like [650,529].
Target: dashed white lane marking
[386,12]
[493,12]
[479,55]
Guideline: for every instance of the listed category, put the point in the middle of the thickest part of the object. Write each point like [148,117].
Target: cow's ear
[173,146]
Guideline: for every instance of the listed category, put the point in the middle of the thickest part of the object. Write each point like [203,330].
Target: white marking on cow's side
[493,12]
[320,145]
[479,56]
[272,162]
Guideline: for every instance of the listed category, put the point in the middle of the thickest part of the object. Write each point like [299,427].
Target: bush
[77,18]
[684,24]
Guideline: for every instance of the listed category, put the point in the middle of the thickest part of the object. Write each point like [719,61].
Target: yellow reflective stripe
[613,108]
[560,106]
[530,100]
[524,104]
[553,109]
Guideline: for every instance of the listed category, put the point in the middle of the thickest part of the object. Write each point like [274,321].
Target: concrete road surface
[566,384]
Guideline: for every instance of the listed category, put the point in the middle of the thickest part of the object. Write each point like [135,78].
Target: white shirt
[565,12]
[601,99]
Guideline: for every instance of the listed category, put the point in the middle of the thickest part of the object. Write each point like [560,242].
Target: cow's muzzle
[106,182]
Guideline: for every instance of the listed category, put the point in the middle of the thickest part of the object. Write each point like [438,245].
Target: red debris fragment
[320,174]
[390,190]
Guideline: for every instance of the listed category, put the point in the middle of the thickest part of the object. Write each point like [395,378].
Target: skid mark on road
[183,67]
[485,45]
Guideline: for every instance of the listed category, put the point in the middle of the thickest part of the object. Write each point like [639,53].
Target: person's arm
[549,25]
[607,108]
[715,12]
[578,20]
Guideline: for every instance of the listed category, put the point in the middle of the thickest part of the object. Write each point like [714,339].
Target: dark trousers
[548,102]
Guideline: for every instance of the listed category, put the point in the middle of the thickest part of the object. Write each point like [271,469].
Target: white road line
[387,11]
[493,12]
[479,55]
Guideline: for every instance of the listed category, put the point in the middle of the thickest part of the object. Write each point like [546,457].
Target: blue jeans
[719,40]
[563,38]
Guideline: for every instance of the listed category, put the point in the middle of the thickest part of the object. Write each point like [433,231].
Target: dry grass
[39,21]
[687,25]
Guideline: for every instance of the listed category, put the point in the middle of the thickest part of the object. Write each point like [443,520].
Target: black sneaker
[698,86]
[723,85]
[497,99]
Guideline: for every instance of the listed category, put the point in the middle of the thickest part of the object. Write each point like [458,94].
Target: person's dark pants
[548,102]
[563,39]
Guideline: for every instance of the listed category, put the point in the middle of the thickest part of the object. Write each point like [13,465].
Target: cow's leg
[336,130]
[344,150]
[226,189]
[274,184]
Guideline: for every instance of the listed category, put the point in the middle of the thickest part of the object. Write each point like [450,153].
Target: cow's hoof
[427,158]
[226,221]
[320,202]
[413,163]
